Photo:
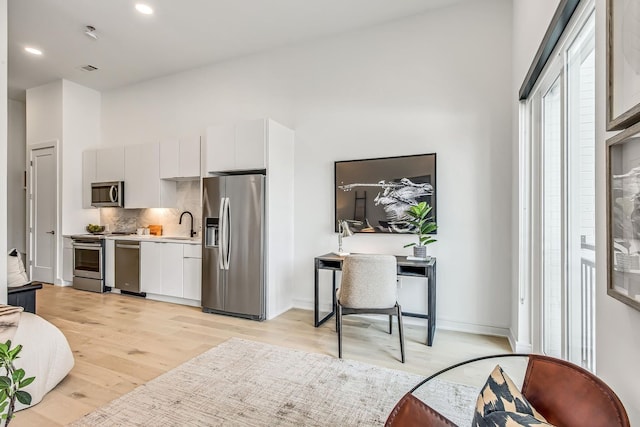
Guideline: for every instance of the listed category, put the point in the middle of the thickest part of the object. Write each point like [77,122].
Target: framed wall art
[623,216]
[372,195]
[623,63]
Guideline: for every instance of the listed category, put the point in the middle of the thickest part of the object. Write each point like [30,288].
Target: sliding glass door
[580,217]
[552,220]
[562,139]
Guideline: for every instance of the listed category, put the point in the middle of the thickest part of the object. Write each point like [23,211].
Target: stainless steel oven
[88,263]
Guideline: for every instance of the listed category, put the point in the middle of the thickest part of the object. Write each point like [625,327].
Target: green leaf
[5,382]
[14,353]
[18,375]
[26,382]
[3,406]
[23,397]
[3,395]
[409,245]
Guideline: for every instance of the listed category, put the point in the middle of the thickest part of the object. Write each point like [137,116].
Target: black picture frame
[372,194]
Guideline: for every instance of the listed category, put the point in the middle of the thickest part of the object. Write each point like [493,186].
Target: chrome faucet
[191,231]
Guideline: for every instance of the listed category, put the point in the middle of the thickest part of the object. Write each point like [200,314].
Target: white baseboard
[63,283]
[472,328]
[449,325]
[278,313]
[307,304]
[174,300]
[519,346]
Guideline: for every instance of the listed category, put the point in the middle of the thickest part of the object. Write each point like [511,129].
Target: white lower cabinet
[171,269]
[150,267]
[110,263]
[67,260]
[192,272]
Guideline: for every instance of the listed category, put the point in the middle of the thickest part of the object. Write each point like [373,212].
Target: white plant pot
[420,251]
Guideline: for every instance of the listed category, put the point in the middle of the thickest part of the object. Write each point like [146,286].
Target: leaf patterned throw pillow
[500,404]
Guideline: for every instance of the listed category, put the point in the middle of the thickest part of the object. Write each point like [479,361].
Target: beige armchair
[369,286]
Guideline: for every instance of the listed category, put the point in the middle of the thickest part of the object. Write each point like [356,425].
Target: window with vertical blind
[558,178]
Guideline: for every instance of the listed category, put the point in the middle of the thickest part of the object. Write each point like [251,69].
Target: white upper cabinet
[180,158]
[220,146]
[169,158]
[102,165]
[236,147]
[88,176]
[251,145]
[110,164]
[189,157]
[143,186]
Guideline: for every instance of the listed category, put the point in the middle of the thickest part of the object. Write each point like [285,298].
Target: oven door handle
[87,246]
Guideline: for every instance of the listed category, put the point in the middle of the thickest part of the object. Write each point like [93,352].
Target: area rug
[245,383]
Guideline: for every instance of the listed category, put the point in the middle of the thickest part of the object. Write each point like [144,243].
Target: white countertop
[159,239]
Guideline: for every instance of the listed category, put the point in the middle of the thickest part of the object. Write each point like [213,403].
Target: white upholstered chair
[369,286]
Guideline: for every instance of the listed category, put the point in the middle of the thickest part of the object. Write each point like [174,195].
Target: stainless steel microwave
[107,194]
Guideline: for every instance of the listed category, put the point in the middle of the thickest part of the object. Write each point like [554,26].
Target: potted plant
[11,382]
[422,225]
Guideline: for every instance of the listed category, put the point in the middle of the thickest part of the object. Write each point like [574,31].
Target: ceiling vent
[88,67]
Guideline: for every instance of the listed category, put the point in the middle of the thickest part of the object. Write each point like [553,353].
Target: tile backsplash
[188,199]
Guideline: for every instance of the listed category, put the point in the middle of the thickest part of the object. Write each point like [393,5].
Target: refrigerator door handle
[221,242]
[227,234]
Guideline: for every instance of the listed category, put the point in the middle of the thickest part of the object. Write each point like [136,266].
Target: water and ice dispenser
[211,232]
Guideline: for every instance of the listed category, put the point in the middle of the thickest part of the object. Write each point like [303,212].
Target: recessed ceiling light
[144,9]
[90,31]
[33,50]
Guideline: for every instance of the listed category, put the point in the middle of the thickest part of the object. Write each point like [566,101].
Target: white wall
[530,21]
[68,113]
[81,130]
[438,82]
[44,113]
[16,164]
[617,325]
[3,148]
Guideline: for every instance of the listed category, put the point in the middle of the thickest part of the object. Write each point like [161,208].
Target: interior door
[43,214]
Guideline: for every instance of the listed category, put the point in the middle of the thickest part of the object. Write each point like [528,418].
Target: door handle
[227,217]
[131,246]
[221,238]
[113,193]
[51,232]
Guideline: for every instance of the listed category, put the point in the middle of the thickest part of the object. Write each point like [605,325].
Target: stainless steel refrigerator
[233,249]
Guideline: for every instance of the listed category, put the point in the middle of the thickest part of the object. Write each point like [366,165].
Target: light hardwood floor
[120,342]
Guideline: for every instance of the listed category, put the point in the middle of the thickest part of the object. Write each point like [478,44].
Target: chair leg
[339,327]
[390,324]
[401,332]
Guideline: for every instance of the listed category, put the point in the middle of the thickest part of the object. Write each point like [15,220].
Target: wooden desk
[424,269]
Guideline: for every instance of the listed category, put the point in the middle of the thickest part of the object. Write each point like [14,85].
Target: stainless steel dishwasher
[128,266]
